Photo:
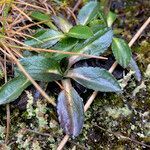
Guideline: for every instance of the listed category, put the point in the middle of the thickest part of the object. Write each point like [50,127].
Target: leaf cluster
[92,35]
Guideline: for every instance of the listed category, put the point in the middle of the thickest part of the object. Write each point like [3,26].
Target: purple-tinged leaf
[62,23]
[70,110]
[134,67]
[95,78]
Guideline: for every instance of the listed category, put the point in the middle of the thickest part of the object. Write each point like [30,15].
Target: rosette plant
[92,35]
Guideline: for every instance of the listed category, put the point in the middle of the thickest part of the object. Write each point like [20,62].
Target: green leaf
[66,44]
[88,12]
[97,25]
[111,17]
[95,45]
[62,23]
[45,38]
[80,32]
[70,110]
[39,16]
[102,16]
[13,89]
[95,78]
[121,51]
[41,68]
[133,65]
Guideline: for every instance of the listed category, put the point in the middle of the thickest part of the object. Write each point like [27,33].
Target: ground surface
[113,121]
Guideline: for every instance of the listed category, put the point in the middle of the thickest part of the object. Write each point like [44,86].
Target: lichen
[142,86]
[147,72]
[30,109]
[36,145]
[40,112]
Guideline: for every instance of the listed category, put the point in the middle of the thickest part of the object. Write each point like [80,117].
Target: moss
[117,112]
[4,147]
[30,101]
[36,145]
[2,133]
[40,112]
[124,114]
[147,72]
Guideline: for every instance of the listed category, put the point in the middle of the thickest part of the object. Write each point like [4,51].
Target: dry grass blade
[75,7]
[2,60]
[30,5]
[9,56]
[24,35]
[7,106]
[72,14]
[18,18]
[7,123]
[14,40]
[147,22]
[30,25]
[94,94]
[17,53]
[51,8]
[21,12]
[56,51]
[26,47]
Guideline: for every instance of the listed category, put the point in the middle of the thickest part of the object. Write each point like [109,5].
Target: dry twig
[27,4]
[7,106]
[21,12]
